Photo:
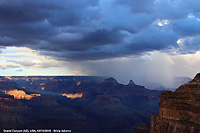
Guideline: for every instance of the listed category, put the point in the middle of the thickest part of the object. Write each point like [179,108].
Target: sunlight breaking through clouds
[22,57]
[26,57]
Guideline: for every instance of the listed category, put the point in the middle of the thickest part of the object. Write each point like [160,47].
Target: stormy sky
[149,41]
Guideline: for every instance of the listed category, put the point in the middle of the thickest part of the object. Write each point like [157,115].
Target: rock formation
[106,106]
[110,81]
[131,83]
[179,111]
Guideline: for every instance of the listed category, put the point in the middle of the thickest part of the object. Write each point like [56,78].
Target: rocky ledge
[179,111]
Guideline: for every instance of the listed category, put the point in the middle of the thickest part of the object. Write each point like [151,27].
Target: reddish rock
[45,101]
[4,108]
[10,113]
[179,111]
[145,128]
[11,105]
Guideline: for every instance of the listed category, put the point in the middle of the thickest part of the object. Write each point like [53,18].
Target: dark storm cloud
[168,9]
[189,26]
[92,39]
[97,29]
[92,55]
[154,39]
[138,6]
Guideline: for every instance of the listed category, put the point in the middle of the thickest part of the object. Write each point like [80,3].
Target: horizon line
[53,75]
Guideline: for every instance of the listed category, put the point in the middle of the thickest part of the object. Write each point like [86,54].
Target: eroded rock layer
[179,111]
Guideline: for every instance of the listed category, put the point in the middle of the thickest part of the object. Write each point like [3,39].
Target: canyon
[77,103]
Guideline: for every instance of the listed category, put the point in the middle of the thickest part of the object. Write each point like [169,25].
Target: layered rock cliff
[179,111]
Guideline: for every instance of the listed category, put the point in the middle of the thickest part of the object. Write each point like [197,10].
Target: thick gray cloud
[154,39]
[98,29]
[189,26]
[146,6]
[76,42]
[189,45]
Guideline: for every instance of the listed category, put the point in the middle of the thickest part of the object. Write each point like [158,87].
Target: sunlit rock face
[179,111]
[73,96]
[78,83]
[42,84]
[8,77]
[20,94]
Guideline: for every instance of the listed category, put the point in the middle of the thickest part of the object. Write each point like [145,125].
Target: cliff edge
[179,111]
